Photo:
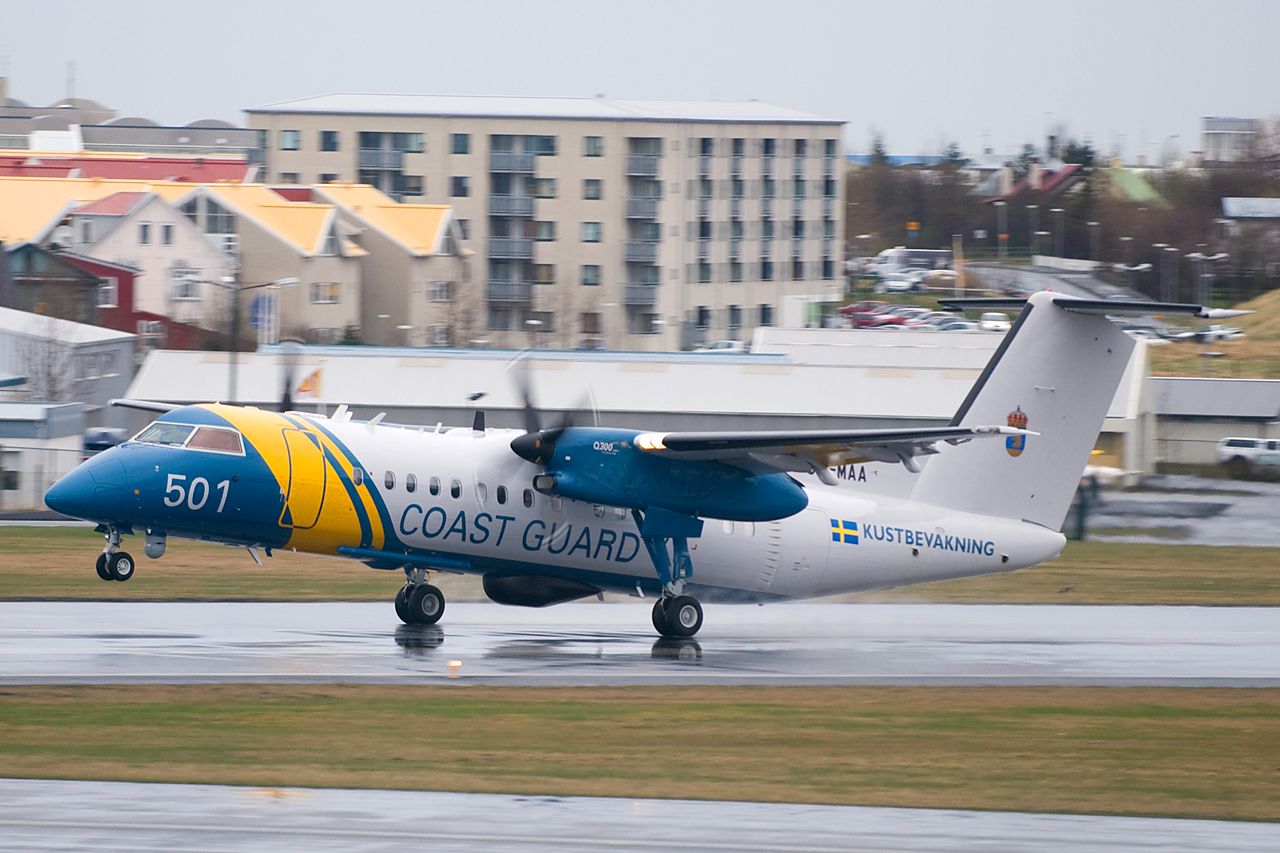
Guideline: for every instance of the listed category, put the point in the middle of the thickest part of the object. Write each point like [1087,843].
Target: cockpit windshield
[169,435]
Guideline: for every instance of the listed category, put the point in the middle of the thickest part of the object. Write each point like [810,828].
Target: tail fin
[1055,373]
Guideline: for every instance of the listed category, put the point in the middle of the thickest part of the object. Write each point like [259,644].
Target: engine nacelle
[604,466]
[534,590]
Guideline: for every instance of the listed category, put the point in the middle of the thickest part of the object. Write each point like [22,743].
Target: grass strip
[1208,753]
[57,563]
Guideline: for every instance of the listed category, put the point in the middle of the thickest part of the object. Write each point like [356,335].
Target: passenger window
[482,492]
[410,483]
[750,528]
[728,527]
[389,481]
[528,497]
[435,486]
[620,511]
[455,489]
[557,503]
[217,440]
[357,476]
[502,494]
[598,510]
[170,435]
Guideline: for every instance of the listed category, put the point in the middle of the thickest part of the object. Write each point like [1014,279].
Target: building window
[829,148]
[735,271]
[544,232]
[542,187]
[704,229]
[766,315]
[540,145]
[766,270]
[592,189]
[324,292]
[828,229]
[409,143]
[768,147]
[166,234]
[328,177]
[706,146]
[460,186]
[797,228]
[591,274]
[590,321]
[290,140]
[144,233]
[464,229]
[328,140]
[737,187]
[799,188]
[544,273]
[370,139]
[829,188]
[288,177]
[407,184]
[86,230]
[592,232]
[766,229]
[739,146]
[735,317]
[440,291]
[704,273]
[186,287]
[499,318]
[767,188]
[461,143]
[801,147]
[109,293]
[539,321]
[593,146]
[828,269]
[702,317]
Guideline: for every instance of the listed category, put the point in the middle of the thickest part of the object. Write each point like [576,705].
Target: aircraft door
[806,545]
[307,480]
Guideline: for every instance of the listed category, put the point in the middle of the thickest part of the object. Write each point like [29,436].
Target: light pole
[236,289]
[1169,273]
[1129,270]
[1038,235]
[1002,229]
[1033,218]
[1059,237]
[1202,292]
[534,327]
[1095,240]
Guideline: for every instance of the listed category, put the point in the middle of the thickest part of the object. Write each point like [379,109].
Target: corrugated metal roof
[1216,398]
[484,106]
[66,331]
[1251,208]
[419,228]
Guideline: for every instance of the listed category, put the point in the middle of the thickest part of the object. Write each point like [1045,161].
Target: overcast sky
[998,72]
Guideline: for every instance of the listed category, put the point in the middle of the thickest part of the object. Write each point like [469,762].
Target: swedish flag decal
[844,531]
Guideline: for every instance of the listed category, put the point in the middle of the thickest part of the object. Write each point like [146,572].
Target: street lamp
[1202,291]
[1059,240]
[1033,217]
[1002,229]
[1127,242]
[1095,240]
[1169,273]
[1129,270]
[1038,235]
[230,283]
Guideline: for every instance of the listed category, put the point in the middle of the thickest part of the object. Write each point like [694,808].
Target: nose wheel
[418,602]
[114,564]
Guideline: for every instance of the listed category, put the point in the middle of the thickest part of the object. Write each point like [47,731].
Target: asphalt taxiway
[613,644]
[40,815]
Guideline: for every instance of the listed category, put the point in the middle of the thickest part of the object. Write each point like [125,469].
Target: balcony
[735,208]
[704,165]
[511,205]
[510,291]
[510,162]
[640,294]
[377,158]
[641,252]
[704,207]
[735,166]
[511,248]
[643,165]
[766,166]
[642,208]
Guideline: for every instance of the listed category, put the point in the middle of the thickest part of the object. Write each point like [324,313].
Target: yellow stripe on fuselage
[338,522]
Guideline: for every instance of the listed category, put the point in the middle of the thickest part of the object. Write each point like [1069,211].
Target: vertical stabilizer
[1055,373]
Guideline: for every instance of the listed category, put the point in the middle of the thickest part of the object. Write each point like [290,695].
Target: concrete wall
[1195,442]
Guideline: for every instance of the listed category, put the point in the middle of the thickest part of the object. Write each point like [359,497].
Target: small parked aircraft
[555,513]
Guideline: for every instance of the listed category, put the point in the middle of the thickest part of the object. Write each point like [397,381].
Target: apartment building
[595,222]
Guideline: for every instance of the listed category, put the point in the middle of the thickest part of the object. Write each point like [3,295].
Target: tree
[47,362]
[1079,152]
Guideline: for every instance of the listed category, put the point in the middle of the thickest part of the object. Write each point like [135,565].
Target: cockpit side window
[216,439]
[166,434]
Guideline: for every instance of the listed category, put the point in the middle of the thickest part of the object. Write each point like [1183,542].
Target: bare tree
[47,362]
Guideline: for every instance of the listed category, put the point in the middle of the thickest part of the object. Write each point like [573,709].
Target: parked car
[960,326]
[1245,456]
[724,347]
[994,321]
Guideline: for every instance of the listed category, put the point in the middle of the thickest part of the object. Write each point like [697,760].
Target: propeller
[538,444]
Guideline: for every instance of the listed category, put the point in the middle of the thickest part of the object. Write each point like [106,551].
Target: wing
[146,405]
[813,451]
[1112,307]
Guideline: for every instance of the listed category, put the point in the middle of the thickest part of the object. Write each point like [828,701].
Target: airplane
[552,514]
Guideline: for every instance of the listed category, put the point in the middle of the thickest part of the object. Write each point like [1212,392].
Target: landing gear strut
[114,564]
[674,614]
[418,602]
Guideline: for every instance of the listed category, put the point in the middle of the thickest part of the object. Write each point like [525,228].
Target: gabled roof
[116,204]
[122,166]
[303,226]
[419,228]
[54,328]
[30,207]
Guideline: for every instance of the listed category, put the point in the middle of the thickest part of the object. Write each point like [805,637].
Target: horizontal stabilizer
[1112,307]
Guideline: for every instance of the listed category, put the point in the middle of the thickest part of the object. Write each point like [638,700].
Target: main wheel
[102,567]
[402,605]
[120,566]
[684,616]
[426,605]
[660,616]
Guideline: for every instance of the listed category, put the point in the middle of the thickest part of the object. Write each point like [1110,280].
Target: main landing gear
[114,564]
[666,537]
[418,602]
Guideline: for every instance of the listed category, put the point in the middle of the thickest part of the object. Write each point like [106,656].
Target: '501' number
[195,494]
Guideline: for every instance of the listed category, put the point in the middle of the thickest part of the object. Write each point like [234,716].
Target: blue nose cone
[95,490]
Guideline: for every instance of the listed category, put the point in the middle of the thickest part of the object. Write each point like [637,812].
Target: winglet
[144,405]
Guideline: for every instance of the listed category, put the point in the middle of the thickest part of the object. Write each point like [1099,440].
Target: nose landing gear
[418,602]
[114,564]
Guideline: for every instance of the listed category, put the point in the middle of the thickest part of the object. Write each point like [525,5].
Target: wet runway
[59,815]
[613,644]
